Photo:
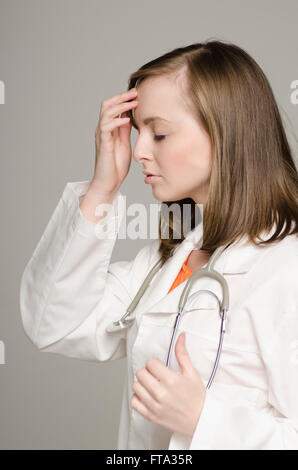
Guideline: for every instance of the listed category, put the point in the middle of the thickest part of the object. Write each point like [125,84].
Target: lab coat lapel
[236,259]
[165,277]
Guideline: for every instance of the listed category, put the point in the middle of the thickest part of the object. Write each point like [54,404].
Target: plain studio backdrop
[58,60]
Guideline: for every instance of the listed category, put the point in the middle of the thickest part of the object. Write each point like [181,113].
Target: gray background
[59,60]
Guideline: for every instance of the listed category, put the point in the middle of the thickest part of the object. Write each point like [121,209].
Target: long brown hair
[253,183]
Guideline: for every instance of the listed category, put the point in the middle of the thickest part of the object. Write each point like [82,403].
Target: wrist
[99,188]
[101,194]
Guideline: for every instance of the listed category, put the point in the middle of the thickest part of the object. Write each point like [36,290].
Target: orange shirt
[184,273]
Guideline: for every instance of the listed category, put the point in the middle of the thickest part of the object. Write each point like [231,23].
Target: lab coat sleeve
[227,425]
[70,291]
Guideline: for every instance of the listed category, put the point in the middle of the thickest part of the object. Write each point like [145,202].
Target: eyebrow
[148,120]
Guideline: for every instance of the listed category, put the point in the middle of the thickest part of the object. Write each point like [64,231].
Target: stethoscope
[207,271]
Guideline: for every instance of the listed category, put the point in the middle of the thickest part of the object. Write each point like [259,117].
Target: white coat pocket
[201,325]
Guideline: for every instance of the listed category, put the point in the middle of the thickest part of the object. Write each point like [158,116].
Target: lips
[146,173]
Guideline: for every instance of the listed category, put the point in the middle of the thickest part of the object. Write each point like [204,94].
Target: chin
[164,196]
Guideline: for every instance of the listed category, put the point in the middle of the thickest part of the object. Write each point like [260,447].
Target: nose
[141,149]
[140,152]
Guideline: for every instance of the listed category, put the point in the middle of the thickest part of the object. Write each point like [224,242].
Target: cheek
[178,160]
[193,157]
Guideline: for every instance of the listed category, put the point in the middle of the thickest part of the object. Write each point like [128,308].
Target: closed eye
[159,137]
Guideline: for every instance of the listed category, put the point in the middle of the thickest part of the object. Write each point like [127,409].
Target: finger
[119,109]
[143,395]
[150,383]
[159,371]
[120,97]
[125,130]
[137,405]
[115,132]
[182,355]
[105,129]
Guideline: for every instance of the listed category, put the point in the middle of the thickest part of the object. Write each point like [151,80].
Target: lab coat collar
[237,258]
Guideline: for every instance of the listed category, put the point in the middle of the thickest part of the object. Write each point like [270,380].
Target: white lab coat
[70,292]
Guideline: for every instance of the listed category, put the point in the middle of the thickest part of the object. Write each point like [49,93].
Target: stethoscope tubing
[208,271]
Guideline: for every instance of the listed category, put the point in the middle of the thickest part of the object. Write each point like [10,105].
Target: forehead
[160,96]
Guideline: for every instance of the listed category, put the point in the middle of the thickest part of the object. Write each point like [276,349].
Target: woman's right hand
[112,142]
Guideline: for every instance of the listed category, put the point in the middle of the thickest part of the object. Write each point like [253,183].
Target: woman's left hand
[172,400]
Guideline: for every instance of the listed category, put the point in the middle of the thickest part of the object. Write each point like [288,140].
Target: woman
[220,143]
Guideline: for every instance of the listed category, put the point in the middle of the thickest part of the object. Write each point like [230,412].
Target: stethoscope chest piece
[119,325]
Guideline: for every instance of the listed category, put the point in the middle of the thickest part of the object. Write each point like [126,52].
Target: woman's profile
[209,133]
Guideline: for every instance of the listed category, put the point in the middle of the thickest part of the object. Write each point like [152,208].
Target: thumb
[182,355]
[125,129]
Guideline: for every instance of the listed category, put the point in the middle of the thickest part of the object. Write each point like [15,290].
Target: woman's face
[182,157]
